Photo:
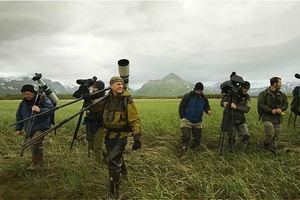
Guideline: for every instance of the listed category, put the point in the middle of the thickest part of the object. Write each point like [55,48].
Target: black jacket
[242,103]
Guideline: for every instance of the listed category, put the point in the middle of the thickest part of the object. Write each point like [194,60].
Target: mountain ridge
[171,85]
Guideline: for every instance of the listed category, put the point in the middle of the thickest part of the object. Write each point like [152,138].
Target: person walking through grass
[271,105]
[240,105]
[191,109]
[32,103]
[120,120]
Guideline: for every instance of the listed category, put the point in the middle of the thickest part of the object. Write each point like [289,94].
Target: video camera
[45,88]
[233,85]
[84,86]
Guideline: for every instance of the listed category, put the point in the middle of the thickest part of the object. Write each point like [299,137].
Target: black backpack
[295,105]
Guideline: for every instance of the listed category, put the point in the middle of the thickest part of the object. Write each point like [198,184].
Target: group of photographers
[113,120]
[116,118]
[271,104]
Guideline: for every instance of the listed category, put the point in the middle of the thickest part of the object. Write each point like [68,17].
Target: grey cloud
[196,40]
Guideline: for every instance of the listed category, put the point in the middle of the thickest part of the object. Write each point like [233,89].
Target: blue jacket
[40,123]
[192,107]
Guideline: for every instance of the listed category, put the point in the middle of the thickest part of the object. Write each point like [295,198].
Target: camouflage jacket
[120,115]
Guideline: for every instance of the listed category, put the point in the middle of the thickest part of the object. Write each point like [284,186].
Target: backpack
[295,105]
[259,110]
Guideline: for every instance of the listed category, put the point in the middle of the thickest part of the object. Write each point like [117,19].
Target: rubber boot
[124,169]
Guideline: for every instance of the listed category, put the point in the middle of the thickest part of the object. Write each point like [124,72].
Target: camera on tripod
[233,85]
[45,88]
[84,86]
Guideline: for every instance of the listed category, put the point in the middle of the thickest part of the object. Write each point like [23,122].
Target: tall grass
[155,172]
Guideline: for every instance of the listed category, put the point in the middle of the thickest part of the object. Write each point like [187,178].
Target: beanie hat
[99,85]
[115,79]
[28,88]
[246,85]
[199,86]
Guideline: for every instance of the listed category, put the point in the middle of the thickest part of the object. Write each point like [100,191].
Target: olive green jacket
[267,101]
[120,115]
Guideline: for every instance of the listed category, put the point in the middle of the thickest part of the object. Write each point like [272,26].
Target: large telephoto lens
[124,70]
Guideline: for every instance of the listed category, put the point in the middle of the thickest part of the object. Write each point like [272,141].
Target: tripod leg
[221,141]
[77,129]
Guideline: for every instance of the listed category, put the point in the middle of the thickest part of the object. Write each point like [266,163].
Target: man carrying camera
[33,103]
[191,109]
[121,120]
[240,105]
[271,105]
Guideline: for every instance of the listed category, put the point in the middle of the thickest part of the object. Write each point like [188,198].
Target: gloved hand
[136,143]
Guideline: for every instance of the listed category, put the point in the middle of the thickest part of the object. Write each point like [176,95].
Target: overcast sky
[197,40]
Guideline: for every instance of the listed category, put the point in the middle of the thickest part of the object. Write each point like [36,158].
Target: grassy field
[155,172]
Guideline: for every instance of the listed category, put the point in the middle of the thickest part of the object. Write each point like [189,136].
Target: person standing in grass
[271,105]
[240,105]
[120,120]
[191,109]
[33,103]
[94,122]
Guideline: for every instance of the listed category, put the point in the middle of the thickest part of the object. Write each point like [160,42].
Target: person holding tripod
[33,102]
[240,105]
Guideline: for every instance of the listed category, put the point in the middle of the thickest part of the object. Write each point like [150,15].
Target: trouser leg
[116,164]
[124,168]
[272,132]
[231,137]
[196,137]
[244,134]
[97,144]
[275,139]
[37,151]
[185,137]
[269,134]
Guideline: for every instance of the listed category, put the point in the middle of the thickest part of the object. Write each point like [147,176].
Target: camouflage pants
[241,131]
[272,132]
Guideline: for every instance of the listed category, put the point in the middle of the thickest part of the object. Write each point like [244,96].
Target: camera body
[85,84]
[232,85]
[45,88]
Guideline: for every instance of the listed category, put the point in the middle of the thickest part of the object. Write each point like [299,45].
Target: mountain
[13,85]
[170,86]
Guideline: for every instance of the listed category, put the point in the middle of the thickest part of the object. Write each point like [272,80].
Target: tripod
[227,124]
